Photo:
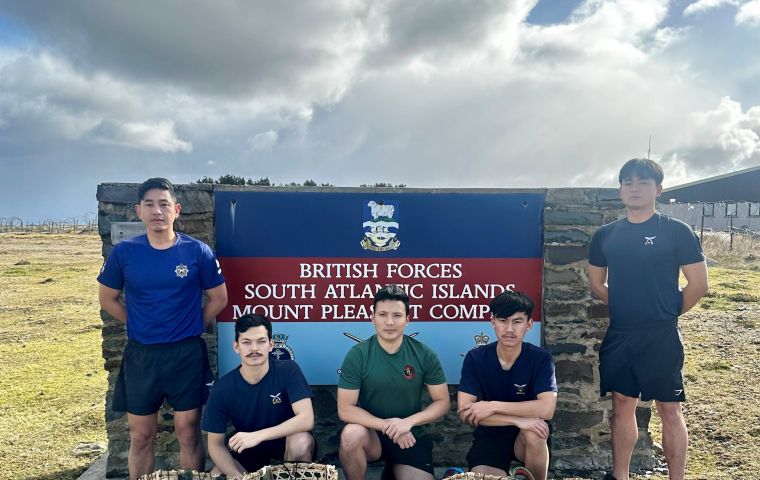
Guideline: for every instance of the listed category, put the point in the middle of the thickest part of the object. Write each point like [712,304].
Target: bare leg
[625,432]
[299,447]
[142,434]
[533,451]
[187,429]
[358,445]
[675,437]
[408,472]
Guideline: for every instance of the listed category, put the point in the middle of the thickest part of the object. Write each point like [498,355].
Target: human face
[253,346]
[511,331]
[639,193]
[390,319]
[158,210]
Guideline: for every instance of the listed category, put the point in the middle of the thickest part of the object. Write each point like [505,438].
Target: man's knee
[353,437]
[670,413]
[532,440]
[299,446]
[142,432]
[187,431]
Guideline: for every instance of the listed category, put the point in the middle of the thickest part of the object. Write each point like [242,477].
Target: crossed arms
[527,415]
[397,429]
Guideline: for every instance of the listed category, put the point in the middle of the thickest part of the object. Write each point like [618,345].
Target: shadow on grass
[70,474]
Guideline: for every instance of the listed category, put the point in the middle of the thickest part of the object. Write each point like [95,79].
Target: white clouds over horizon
[449,94]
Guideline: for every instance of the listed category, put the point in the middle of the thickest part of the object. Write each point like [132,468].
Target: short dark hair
[392,292]
[251,320]
[642,168]
[508,303]
[157,182]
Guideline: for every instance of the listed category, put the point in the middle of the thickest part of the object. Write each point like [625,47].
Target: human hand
[535,425]
[473,413]
[242,440]
[406,440]
[395,427]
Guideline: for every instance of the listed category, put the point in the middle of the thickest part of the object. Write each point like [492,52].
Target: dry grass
[53,383]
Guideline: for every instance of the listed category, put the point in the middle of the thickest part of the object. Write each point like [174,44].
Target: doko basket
[178,475]
[516,473]
[294,471]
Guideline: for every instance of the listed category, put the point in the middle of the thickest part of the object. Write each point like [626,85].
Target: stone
[598,310]
[572,217]
[565,293]
[575,421]
[562,442]
[571,235]
[565,254]
[574,371]
[567,276]
[573,196]
[117,193]
[567,348]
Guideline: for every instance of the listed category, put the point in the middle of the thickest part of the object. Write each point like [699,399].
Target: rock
[23,262]
[87,449]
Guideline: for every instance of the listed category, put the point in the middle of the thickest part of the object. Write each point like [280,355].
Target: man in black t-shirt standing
[634,266]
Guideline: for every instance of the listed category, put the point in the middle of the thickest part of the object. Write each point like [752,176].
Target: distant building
[717,203]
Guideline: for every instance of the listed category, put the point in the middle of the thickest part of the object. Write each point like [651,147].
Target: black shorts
[263,454]
[495,449]
[178,372]
[645,361]
[419,456]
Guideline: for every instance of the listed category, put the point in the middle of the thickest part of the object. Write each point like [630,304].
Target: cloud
[263,140]
[159,136]
[749,14]
[702,6]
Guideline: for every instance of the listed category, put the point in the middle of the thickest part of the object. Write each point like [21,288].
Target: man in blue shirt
[163,275]
[268,403]
[634,265]
[508,391]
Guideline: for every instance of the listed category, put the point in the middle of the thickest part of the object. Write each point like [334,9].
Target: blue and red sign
[312,262]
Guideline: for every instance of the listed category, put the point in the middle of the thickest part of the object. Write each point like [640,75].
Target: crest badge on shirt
[408,372]
[281,350]
[649,240]
[276,398]
[181,270]
[520,388]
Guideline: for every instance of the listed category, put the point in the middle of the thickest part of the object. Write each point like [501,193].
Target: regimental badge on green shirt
[390,385]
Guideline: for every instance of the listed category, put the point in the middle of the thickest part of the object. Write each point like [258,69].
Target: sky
[430,93]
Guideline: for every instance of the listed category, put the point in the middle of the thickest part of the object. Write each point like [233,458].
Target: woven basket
[294,471]
[517,473]
[177,475]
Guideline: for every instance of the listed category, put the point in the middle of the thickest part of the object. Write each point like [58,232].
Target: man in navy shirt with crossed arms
[267,401]
[508,391]
[634,265]
[163,275]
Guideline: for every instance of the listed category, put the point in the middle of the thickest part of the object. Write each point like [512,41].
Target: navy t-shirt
[254,407]
[531,374]
[643,262]
[162,288]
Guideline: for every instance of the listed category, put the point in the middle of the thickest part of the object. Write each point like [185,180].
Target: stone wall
[574,324]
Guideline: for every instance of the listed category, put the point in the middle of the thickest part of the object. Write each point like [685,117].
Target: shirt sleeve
[211,270]
[469,383]
[688,248]
[111,274]
[595,255]
[546,380]
[298,387]
[215,414]
[433,370]
[350,372]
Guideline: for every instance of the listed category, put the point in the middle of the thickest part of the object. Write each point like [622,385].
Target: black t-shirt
[643,262]
[255,407]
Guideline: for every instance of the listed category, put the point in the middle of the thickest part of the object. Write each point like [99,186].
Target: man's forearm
[224,461]
[601,292]
[499,420]
[115,308]
[211,310]
[431,413]
[356,414]
[297,424]
[691,295]
[527,409]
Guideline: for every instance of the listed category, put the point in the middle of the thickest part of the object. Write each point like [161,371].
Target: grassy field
[52,382]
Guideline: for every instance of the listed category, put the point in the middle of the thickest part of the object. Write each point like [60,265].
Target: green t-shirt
[390,385]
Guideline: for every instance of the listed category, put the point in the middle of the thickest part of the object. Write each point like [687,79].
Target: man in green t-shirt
[380,395]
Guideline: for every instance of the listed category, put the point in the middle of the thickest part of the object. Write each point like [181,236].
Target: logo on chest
[276,398]
[649,240]
[520,389]
[408,372]
[181,270]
